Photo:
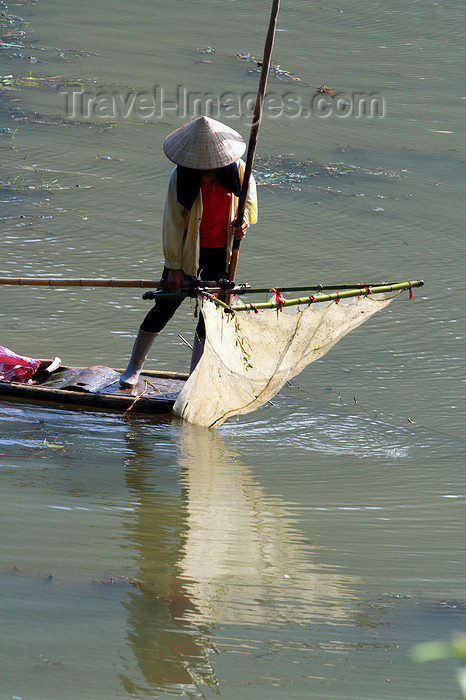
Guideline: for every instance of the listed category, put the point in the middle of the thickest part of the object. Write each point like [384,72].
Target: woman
[198,223]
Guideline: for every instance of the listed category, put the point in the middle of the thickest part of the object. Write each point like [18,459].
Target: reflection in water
[218,552]
[242,560]
[169,652]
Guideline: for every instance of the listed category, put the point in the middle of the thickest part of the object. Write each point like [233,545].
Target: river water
[299,551]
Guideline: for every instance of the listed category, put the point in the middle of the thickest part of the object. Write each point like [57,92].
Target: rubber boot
[141,347]
[198,350]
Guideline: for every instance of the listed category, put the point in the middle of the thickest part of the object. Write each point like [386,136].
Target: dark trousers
[212,266]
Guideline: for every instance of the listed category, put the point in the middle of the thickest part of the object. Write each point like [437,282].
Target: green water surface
[299,551]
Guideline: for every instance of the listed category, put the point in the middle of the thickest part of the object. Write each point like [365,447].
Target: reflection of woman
[168,650]
[212,549]
[199,222]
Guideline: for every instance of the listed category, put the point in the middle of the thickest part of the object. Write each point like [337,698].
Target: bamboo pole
[357,288]
[256,122]
[364,291]
[245,289]
[313,287]
[71,282]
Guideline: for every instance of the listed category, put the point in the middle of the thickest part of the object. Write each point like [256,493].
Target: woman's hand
[175,279]
[240,232]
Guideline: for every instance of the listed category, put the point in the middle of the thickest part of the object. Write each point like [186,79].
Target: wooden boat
[96,387]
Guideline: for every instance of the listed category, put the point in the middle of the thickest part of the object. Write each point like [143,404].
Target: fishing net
[249,356]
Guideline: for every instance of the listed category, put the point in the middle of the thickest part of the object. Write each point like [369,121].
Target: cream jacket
[181,225]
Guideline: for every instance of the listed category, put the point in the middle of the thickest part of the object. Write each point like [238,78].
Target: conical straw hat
[204,144]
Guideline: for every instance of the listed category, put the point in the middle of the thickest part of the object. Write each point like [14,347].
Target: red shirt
[216,202]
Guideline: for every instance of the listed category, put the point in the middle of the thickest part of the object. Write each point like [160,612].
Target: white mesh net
[248,357]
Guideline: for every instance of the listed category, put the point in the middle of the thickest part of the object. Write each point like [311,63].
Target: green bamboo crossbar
[312,287]
[246,289]
[346,294]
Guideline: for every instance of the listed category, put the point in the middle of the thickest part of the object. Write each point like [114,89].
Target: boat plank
[98,388]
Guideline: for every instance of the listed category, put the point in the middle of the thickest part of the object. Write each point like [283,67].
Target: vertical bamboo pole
[256,122]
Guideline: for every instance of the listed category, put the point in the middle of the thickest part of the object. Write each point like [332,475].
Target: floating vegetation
[206,50]
[38,184]
[12,30]
[279,72]
[54,445]
[398,596]
[19,2]
[13,38]
[452,604]
[14,82]
[78,53]
[7,21]
[45,445]
[33,179]
[286,172]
